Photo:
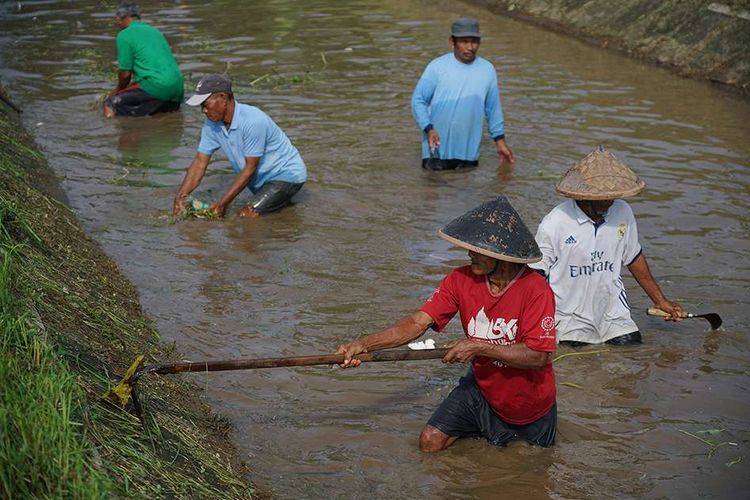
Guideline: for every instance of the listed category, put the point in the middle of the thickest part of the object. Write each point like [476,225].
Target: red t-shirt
[523,312]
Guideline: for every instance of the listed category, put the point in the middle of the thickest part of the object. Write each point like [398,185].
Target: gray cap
[465,26]
[208,85]
[127,9]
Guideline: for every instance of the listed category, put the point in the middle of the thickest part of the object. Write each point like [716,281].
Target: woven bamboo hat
[600,176]
[496,230]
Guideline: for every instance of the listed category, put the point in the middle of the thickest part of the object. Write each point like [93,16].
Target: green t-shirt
[143,50]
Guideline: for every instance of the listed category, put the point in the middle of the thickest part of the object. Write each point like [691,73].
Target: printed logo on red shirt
[498,331]
[547,324]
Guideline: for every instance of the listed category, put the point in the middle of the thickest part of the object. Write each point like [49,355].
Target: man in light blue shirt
[454,93]
[260,153]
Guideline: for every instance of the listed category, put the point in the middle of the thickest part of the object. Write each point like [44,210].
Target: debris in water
[583,353]
[571,384]
[734,462]
[714,446]
[200,210]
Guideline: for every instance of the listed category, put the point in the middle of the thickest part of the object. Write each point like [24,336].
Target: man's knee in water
[433,439]
[248,212]
[108,112]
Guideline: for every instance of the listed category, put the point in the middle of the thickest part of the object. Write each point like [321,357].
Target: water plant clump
[200,210]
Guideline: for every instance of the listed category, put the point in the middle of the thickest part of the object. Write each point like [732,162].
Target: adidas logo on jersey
[570,240]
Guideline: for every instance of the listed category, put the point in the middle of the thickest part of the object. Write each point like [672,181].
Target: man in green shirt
[149,79]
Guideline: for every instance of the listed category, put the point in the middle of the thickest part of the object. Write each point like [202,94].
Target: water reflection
[150,142]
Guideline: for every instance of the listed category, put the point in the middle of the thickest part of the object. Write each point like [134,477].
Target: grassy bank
[68,316]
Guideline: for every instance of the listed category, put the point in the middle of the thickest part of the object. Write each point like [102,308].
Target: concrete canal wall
[696,38]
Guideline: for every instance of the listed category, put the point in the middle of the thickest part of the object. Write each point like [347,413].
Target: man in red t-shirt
[507,312]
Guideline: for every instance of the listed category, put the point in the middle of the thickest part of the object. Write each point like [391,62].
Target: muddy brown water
[359,247]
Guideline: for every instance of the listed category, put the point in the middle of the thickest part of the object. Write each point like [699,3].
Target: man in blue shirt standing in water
[260,153]
[455,91]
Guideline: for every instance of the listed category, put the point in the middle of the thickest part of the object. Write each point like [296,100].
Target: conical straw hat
[600,176]
[496,230]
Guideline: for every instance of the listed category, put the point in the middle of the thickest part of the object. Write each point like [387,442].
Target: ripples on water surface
[358,249]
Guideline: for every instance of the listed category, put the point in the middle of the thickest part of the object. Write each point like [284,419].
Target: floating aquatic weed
[90,62]
[571,384]
[274,81]
[584,353]
[734,462]
[711,432]
[200,210]
[714,446]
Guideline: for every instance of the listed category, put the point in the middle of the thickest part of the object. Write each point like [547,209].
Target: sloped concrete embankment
[699,39]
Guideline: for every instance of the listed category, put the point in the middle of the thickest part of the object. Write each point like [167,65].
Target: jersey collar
[580,215]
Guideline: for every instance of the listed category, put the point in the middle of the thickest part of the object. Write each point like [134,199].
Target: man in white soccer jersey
[585,242]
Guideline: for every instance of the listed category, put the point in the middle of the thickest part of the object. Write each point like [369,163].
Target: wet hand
[433,139]
[349,351]
[504,152]
[675,311]
[217,209]
[180,206]
[462,351]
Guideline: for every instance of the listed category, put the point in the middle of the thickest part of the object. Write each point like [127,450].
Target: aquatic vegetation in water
[200,210]
[734,462]
[713,445]
[571,384]
[125,180]
[272,80]
[582,353]
[91,62]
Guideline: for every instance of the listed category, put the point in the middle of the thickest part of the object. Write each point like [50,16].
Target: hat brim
[488,253]
[466,34]
[628,190]
[197,99]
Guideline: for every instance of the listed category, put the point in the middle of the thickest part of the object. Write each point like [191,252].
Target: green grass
[69,318]
[43,449]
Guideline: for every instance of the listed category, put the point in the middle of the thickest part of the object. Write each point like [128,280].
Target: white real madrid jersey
[583,263]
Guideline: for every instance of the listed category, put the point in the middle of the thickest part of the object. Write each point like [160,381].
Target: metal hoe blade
[713,319]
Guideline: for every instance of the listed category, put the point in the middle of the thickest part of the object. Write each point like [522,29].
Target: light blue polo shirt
[253,134]
[454,98]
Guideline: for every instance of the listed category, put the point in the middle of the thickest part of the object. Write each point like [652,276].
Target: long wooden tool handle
[653,311]
[326,359]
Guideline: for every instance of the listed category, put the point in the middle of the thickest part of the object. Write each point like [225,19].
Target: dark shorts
[465,413]
[438,164]
[134,101]
[273,196]
[627,339]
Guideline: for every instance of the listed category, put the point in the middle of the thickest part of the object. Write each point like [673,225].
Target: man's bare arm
[193,177]
[403,331]
[515,355]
